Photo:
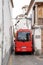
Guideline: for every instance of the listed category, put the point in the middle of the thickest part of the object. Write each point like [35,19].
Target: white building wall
[6,30]
[38,0]
[0,31]
[29,23]
[33,17]
[25,10]
[23,24]
[37,39]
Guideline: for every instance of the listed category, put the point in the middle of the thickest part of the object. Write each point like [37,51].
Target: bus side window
[28,37]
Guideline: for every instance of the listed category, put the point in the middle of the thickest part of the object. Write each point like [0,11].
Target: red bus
[23,41]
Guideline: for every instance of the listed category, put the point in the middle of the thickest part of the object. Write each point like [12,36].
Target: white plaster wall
[25,10]
[38,0]
[28,23]
[0,31]
[32,17]
[21,25]
[37,41]
[7,27]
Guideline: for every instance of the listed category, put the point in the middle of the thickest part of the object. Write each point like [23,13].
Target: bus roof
[24,30]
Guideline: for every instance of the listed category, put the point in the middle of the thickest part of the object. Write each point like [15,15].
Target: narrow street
[25,60]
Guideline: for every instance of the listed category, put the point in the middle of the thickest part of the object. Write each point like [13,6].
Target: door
[40,15]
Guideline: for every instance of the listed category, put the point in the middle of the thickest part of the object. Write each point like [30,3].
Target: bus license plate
[23,47]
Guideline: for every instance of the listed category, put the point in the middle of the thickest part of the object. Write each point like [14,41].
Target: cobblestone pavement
[25,60]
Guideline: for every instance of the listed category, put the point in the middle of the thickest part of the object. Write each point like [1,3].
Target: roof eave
[12,3]
[31,3]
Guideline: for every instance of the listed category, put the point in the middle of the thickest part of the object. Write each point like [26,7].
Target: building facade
[5,30]
[37,24]
[23,23]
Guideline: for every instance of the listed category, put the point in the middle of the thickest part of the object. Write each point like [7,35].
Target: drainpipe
[2,28]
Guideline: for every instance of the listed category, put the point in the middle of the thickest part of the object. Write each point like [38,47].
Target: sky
[18,4]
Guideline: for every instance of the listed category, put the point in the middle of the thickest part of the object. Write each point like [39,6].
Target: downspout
[2,28]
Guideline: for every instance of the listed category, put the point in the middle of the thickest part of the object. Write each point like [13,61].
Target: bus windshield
[23,36]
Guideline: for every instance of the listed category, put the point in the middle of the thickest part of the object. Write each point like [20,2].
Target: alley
[21,31]
[25,60]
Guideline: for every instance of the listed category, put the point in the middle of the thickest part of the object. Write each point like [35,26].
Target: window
[23,36]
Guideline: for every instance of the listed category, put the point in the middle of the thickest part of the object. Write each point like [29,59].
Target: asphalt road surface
[25,60]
